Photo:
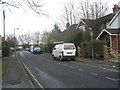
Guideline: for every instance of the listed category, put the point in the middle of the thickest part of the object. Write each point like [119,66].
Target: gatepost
[105,52]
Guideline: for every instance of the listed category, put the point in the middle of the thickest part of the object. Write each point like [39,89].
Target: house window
[82,28]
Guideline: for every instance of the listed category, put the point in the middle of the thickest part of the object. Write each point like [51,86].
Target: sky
[29,22]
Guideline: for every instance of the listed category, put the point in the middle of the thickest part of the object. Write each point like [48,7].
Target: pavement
[15,77]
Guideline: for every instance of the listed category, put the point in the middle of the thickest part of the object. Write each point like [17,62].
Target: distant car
[27,49]
[36,50]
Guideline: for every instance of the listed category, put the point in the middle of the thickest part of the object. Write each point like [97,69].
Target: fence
[108,53]
[111,53]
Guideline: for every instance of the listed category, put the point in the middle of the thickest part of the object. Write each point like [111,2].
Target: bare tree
[25,39]
[37,37]
[92,10]
[11,40]
[45,36]
[34,5]
[69,14]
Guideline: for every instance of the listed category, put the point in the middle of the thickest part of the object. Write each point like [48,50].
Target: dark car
[36,50]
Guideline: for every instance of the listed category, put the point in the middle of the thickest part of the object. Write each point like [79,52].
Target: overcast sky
[31,22]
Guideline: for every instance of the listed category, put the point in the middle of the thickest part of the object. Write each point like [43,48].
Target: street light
[91,34]
[15,40]
[3,11]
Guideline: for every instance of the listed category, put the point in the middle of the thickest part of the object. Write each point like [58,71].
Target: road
[50,73]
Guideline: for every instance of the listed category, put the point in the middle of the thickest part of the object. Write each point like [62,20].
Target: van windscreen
[69,47]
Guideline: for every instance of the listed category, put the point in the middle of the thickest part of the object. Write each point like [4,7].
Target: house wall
[119,21]
[0,42]
[115,42]
[116,23]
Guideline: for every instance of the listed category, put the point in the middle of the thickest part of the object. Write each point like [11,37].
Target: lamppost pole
[91,34]
[15,40]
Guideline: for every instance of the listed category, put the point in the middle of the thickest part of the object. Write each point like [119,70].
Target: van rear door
[69,50]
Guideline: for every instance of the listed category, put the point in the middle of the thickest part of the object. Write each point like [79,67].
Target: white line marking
[65,65]
[25,72]
[34,77]
[98,67]
[72,67]
[109,69]
[93,73]
[112,79]
[59,63]
[80,69]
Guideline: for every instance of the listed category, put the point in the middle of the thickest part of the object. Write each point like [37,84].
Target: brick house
[112,32]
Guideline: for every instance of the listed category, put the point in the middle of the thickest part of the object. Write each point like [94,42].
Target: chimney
[67,25]
[116,8]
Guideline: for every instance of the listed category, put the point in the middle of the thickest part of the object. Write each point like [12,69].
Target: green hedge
[97,48]
[48,48]
[5,51]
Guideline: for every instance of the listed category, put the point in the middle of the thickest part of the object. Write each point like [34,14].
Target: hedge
[97,48]
[5,51]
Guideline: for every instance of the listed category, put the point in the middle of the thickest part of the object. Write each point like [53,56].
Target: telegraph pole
[1,2]
[4,24]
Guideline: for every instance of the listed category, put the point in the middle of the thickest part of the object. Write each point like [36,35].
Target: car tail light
[62,52]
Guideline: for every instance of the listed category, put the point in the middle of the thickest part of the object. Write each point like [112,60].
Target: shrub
[97,48]
[5,51]
[48,47]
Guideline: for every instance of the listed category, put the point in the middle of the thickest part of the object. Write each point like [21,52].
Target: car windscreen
[69,47]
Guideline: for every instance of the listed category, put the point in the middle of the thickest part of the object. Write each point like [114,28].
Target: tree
[69,13]
[37,37]
[34,5]
[55,35]
[10,40]
[92,10]
[25,38]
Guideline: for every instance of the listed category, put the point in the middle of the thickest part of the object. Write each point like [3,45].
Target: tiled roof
[96,22]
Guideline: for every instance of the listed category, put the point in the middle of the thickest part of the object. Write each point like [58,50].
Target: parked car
[36,50]
[27,49]
[64,51]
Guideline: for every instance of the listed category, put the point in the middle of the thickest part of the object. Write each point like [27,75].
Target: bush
[48,48]
[97,49]
[5,51]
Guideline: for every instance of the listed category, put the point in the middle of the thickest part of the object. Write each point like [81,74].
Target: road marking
[109,69]
[25,72]
[65,65]
[59,63]
[112,79]
[97,67]
[33,77]
[93,73]
[72,67]
[80,69]
[76,62]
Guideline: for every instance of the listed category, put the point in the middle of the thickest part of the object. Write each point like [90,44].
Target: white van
[64,51]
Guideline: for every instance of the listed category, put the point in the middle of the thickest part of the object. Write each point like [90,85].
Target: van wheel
[73,59]
[53,57]
[61,58]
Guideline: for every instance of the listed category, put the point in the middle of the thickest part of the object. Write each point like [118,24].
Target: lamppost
[5,3]
[91,34]
[15,40]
